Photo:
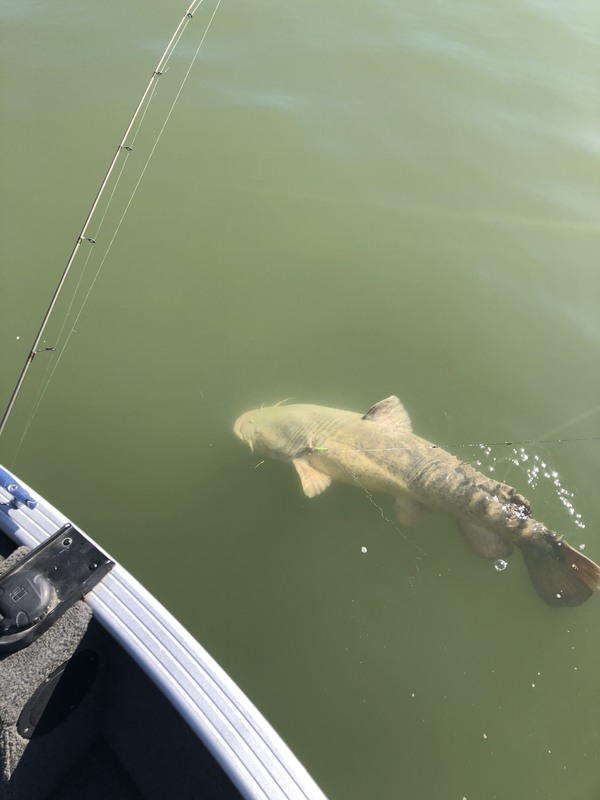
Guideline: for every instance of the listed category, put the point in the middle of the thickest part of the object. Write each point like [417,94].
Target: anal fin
[409,511]
[484,542]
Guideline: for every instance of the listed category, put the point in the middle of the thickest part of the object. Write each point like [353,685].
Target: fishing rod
[122,149]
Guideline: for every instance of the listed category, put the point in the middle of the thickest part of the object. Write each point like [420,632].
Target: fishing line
[541,440]
[467,444]
[579,418]
[53,364]
[144,169]
[125,147]
[522,441]
[535,472]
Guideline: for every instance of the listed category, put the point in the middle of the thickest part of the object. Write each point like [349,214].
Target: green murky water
[349,200]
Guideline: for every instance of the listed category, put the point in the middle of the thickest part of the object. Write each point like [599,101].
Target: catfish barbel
[378,452]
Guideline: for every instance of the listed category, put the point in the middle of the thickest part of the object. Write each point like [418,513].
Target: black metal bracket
[45,583]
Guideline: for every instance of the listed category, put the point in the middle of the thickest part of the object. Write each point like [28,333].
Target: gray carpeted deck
[122,741]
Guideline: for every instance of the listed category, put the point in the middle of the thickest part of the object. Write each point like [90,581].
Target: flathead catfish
[378,451]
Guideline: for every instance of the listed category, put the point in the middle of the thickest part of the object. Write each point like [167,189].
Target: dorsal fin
[391,413]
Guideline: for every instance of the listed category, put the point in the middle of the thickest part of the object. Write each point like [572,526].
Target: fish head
[267,431]
[245,428]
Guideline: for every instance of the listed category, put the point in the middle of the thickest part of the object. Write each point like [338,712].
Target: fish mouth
[237,428]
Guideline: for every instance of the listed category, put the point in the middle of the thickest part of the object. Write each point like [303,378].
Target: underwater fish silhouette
[379,452]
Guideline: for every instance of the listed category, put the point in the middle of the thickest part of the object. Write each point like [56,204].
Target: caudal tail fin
[561,575]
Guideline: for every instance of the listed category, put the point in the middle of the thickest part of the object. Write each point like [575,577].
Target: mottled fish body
[379,452]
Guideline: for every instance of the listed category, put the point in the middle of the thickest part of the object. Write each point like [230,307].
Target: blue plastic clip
[21,496]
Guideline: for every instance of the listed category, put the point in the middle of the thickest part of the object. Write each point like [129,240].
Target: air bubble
[500,565]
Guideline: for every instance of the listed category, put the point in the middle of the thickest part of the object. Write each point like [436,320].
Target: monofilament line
[56,361]
[122,149]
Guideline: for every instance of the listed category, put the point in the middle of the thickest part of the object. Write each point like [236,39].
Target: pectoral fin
[313,481]
[486,543]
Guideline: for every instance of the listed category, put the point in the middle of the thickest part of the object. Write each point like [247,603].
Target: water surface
[349,200]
